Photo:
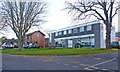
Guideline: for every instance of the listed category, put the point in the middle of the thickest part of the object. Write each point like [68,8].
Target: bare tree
[21,16]
[103,10]
[2,26]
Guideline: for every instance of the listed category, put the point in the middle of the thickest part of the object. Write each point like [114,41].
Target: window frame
[60,33]
[69,31]
[82,29]
[89,27]
[56,33]
[75,30]
[65,32]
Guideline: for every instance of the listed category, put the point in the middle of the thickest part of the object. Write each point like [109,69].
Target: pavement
[106,62]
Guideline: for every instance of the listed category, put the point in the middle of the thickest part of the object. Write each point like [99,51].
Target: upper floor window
[60,33]
[81,29]
[27,37]
[37,34]
[75,30]
[65,32]
[56,34]
[89,27]
[69,31]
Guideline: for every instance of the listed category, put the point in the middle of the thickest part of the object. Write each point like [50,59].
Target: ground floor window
[70,43]
[85,42]
[76,42]
[60,43]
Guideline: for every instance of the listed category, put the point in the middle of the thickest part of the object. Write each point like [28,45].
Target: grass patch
[0,50]
[59,51]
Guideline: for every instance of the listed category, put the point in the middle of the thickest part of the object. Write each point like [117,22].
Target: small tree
[101,9]
[21,16]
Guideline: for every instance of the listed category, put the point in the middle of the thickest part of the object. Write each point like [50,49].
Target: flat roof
[75,26]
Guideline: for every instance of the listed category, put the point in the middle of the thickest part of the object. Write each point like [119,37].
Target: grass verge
[59,51]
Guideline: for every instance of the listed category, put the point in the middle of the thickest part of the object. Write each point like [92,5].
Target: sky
[56,18]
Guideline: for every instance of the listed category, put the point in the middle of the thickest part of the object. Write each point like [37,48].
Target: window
[70,43]
[75,30]
[81,29]
[89,27]
[65,32]
[60,33]
[69,31]
[38,35]
[56,34]
[27,37]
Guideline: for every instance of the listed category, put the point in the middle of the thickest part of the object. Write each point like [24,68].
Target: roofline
[34,32]
[79,25]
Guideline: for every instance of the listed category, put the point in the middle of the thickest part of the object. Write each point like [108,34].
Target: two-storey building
[118,33]
[89,34]
[36,37]
[119,18]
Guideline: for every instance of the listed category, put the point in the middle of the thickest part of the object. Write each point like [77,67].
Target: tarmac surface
[106,62]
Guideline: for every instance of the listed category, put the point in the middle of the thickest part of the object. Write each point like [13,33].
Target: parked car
[115,44]
[30,45]
[7,45]
[78,45]
[34,45]
[15,46]
[25,45]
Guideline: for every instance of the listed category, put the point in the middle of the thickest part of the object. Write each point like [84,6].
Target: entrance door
[70,43]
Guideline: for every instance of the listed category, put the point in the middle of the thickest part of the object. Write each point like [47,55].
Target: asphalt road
[75,62]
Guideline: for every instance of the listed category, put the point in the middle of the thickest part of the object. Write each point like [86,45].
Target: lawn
[58,51]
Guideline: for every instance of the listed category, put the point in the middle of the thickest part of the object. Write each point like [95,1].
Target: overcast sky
[56,18]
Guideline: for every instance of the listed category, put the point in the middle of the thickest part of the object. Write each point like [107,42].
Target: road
[76,62]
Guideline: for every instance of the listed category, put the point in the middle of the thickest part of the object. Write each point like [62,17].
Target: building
[36,37]
[46,42]
[8,41]
[118,33]
[12,41]
[118,37]
[91,34]
[118,19]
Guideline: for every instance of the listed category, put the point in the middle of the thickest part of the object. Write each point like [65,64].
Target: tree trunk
[20,46]
[108,36]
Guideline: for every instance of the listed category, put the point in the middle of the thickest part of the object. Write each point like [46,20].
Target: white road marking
[75,66]
[104,62]
[88,69]
[104,69]
[93,66]
[57,62]
[68,64]
[65,64]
